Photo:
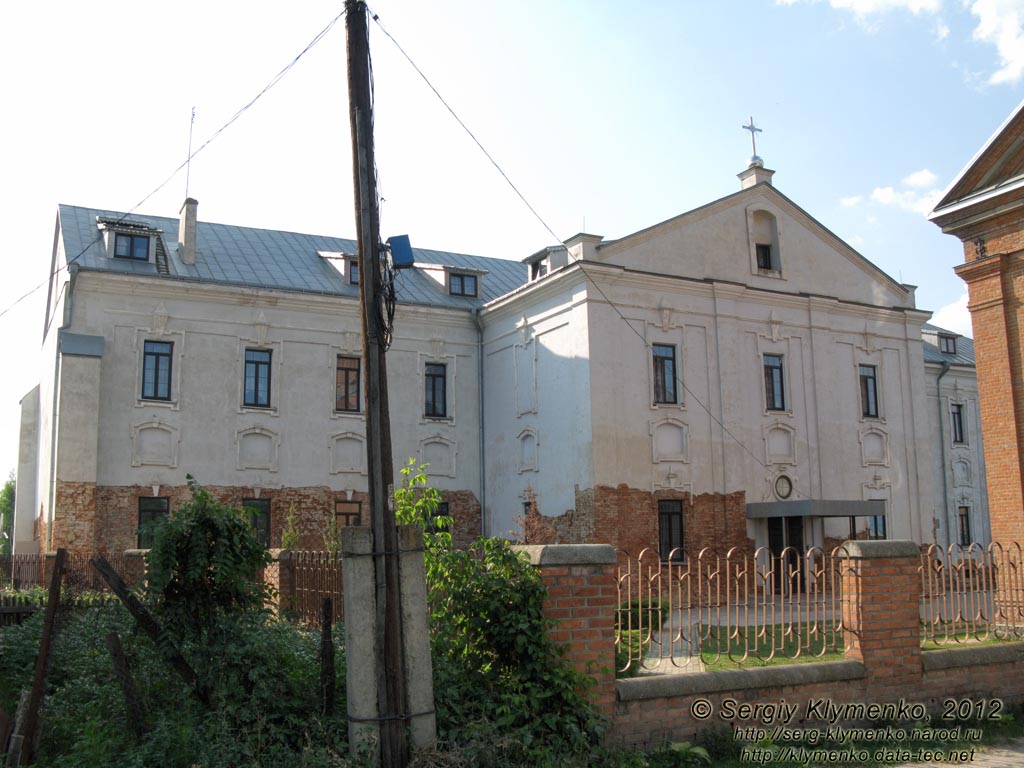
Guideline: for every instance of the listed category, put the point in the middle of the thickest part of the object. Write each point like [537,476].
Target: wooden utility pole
[391,674]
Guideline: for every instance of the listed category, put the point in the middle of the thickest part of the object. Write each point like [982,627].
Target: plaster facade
[552,405]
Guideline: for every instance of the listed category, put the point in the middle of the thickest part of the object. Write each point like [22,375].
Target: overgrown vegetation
[7,516]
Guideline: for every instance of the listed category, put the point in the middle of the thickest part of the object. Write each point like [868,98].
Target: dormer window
[947,344]
[538,269]
[461,284]
[131,247]
[353,272]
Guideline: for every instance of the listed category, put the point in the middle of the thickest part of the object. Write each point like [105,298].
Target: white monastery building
[734,376]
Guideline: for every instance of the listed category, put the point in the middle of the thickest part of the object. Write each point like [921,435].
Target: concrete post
[280,576]
[360,653]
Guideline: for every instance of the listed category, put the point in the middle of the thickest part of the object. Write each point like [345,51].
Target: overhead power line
[241,111]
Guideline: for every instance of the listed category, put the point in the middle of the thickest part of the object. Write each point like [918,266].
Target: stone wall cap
[568,554]
[661,686]
[867,550]
[971,656]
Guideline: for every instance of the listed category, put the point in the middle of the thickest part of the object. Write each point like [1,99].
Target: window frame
[669,511]
[764,249]
[259,509]
[348,375]
[432,380]
[774,382]
[947,344]
[538,269]
[143,532]
[963,514]
[353,272]
[665,375]
[958,427]
[877,528]
[256,367]
[132,239]
[440,511]
[462,278]
[869,407]
[343,517]
[158,358]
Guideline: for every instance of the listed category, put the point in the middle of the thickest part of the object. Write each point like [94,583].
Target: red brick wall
[627,518]
[91,518]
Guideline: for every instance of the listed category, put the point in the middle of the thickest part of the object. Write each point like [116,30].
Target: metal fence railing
[317,575]
[972,593]
[708,609]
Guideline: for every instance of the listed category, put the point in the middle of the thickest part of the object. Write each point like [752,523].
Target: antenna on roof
[188,161]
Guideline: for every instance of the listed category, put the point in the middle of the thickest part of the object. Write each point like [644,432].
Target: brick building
[984,208]
[734,376]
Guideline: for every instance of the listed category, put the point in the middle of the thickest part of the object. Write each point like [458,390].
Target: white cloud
[999,23]
[869,7]
[855,241]
[955,317]
[849,202]
[941,31]
[922,178]
[907,199]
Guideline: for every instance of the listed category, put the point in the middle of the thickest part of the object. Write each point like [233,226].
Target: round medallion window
[783,487]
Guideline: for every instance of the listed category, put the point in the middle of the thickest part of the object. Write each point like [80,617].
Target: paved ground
[1010,754]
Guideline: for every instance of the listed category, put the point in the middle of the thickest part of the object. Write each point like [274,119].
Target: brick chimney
[187,231]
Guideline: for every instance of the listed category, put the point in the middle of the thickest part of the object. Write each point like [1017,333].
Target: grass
[729,648]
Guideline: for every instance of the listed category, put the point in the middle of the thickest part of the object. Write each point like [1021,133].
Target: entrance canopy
[816,508]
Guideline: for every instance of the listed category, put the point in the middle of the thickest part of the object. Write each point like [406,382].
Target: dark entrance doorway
[786,534]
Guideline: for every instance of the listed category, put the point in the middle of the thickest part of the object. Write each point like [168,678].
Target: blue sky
[609,117]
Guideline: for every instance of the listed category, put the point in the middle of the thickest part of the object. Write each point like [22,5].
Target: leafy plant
[7,515]
[204,564]
[332,534]
[416,503]
[290,533]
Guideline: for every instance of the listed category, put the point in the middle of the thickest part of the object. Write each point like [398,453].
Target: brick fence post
[881,610]
[582,600]
[280,577]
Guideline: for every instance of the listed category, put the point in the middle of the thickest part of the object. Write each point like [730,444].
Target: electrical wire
[544,223]
[273,81]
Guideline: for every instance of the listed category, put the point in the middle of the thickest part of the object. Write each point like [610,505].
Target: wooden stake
[134,710]
[327,678]
[152,628]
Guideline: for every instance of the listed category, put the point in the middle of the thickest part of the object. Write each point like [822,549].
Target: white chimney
[187,231]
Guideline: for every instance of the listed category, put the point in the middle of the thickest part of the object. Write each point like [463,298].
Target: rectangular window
[764,256]
[670,530]
[538,269]
[956,413]
[436,400]
[964,517]
[876,527]
[436,526]
[947,344]
[346,394]
[259,518]
[348,513]
[156,370]
[257,378]
[131,247]
[868,392]
[774,383]
[461,285]
[353,272]
[152,511]
[664,373]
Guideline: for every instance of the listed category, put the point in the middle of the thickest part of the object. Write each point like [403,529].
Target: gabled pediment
[760,238]
[996,171]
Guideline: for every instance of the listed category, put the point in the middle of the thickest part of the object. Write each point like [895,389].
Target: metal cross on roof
[753,129]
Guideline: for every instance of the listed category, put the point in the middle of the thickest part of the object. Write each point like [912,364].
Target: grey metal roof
[263,258]
[964,347]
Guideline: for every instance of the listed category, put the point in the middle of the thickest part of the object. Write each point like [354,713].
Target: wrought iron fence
[691,612]
[24,572]
[317,575]
[972,593]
